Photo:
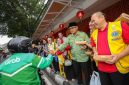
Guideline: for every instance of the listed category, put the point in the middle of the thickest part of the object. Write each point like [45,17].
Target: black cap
[72,24]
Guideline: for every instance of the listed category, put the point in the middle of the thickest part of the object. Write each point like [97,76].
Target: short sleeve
[87,38]
[64,45]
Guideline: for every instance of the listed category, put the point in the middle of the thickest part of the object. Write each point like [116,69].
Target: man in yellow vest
[111,40]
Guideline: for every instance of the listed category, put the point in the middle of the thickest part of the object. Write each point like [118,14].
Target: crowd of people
[77,55]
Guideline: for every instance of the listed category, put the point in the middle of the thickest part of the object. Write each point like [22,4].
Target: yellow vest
[61,58]
[52,46]
[116,44]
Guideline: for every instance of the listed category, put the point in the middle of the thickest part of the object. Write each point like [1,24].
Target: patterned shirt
[78,54]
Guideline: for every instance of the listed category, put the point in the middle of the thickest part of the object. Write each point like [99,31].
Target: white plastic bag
[68,62]
[95,79]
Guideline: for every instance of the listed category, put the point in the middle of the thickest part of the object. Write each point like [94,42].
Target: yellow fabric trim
[116,44]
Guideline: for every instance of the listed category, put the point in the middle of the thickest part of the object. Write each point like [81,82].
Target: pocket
[123,65]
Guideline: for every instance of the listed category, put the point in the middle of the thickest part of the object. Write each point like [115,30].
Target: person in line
[61,36]
[52,47]
[65,71]
[44,48]
[33,49]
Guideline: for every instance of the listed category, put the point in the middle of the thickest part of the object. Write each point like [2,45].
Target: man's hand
[80,42]
[83,47]
[114,59]
[102,58]
[52,52]
[88,52]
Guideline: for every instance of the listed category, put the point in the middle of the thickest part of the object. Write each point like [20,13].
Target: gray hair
[99,14]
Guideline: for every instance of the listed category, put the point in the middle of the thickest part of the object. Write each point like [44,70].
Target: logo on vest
[115,35]
[12,61]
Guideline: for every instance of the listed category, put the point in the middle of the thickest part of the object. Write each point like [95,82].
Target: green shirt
[77,53]
[21,69]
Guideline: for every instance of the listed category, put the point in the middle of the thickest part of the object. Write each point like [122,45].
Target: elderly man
[80,61]
[111,40]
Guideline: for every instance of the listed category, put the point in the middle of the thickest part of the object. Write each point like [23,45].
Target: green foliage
[18,17]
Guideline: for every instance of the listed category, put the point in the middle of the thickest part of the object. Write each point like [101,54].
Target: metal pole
[58,79]
[47,79]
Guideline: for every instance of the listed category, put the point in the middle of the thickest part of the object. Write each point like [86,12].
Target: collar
[105,28]
[77,33]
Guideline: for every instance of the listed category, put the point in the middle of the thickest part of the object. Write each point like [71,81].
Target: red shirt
[103,48]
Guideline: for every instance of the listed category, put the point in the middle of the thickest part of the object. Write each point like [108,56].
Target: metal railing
[56,77]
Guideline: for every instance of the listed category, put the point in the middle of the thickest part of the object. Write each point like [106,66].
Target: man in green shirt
[21,67]
[81,62]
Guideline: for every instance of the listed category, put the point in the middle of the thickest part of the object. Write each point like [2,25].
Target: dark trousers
[126,79]
[115,78]
[55,65]
[69,72]
[82,68]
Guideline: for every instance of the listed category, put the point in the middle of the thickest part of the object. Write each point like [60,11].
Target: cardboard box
[102,58]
